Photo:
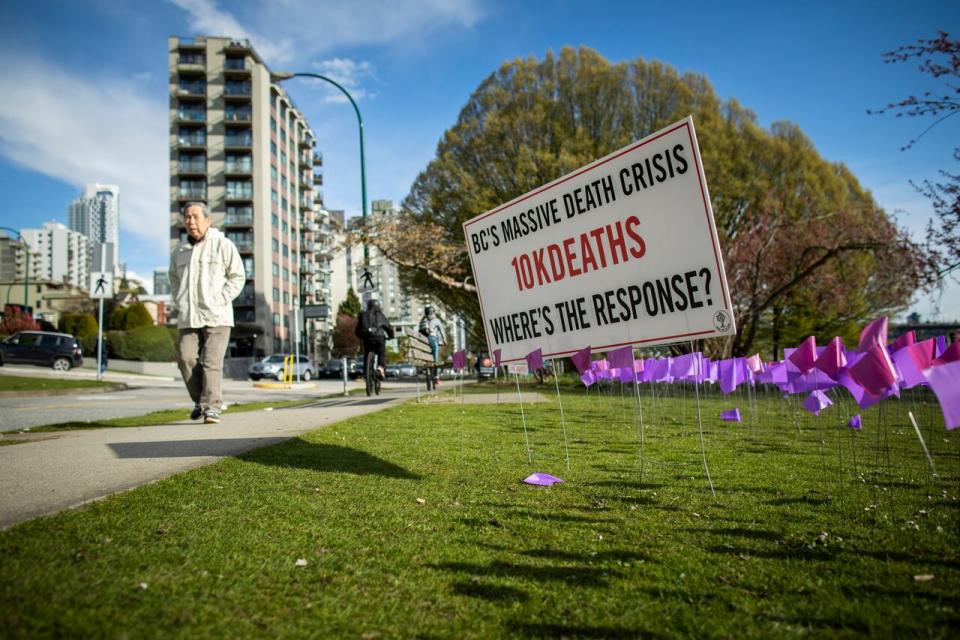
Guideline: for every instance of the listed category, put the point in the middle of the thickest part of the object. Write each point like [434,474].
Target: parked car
[392,371]
[484,367]
[334,368]
[407,370]
[272,367]
[58,350]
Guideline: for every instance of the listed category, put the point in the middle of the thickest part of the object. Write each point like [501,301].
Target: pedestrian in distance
[103,357]
[206,274]
[374,330]
[432,329]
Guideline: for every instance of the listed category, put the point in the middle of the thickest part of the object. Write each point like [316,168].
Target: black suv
[58,350]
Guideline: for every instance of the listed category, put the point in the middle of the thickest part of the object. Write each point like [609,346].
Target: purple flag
[733,415]
[542,479]
[496,357]
[460,359]
[945,382]
[581,359]
[626,374]
[832,360]
[874,371]
[874,333]
[729,375]
[816,402]
[621,358]
[755,363]
[952,354]
[805,355]
[535,360]
[588,377]
[940,345]
[855,422]
[684,366]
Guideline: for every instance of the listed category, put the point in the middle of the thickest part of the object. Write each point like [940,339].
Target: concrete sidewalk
[67,469]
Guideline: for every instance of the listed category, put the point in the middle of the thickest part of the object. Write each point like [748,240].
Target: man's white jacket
[204,279]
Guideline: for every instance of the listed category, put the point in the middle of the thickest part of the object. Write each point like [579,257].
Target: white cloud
[313,27]
[349,73]
[90,129]
[207,19]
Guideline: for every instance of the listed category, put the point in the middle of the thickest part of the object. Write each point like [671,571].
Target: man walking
[432,329]
[206,274]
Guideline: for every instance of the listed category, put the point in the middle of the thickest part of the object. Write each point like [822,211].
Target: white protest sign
[622,251]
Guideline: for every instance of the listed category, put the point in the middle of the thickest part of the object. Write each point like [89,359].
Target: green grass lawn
[26,383]
[413,522]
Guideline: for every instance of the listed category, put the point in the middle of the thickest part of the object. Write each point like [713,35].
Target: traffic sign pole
[103,259]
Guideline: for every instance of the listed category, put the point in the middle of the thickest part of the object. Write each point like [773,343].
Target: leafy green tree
[137,316]
[118,318]
[80,325]
[797,231]
[350,305]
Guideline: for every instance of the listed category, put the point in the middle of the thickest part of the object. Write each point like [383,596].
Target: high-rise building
[96,214]
[161,282]
[13,261]
[239,144]
[64,255]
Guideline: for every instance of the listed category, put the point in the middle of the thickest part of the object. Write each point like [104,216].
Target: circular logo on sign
[721,321]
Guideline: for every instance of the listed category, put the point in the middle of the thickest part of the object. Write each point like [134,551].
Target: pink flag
[621,358]
[581,359]
[535,360]
[912,360]
[952,354]
[755,363]
[805,355]
[874,371]
[905,340]
[832,360]
[588,377]
[874,333]
[496,357]
[460,359]
[945,382]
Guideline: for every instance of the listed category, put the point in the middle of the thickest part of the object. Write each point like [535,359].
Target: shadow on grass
[615,555]
[545,630]
[189,448]
[576,576]
[739,532]
[780,502]
[492,592]
[327,458]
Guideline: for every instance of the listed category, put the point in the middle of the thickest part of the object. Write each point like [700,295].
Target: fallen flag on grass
[542,479]
[733,415]
[855,422]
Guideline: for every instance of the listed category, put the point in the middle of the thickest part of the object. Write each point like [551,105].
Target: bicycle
[370,374]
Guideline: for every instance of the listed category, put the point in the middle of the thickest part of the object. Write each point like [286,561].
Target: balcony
[306,160]
[309,225]
[238,220]
[238,117]
[188,142]
[191,61]
[238,168]
[318,179]
[305,201]
[247,297]
[236,67]
[238,142]
[193,167]
[304,183]
[239,194]
[318,159]
[237,89]
[240,44]
[192,193]
[306,141]
[244,246]
[191,115]
[192,89]
[247,316]
[307,246]
[308,267]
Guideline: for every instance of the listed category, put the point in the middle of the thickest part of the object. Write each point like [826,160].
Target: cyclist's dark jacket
[373,328]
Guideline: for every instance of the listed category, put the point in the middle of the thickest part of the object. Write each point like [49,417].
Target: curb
[40,393]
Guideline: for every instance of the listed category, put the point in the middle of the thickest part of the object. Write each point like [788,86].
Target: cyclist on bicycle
[374,330]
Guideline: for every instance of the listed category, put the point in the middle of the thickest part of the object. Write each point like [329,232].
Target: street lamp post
[279,76]
[26,273]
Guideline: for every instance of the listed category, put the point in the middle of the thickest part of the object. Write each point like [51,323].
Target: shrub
[118,318]
[116,343]
[148,344]
[79,325]
[137,316]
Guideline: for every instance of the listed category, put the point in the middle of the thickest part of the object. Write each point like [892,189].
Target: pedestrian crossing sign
[101,285]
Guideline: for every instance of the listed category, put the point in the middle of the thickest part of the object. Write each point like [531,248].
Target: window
[283,183]
[236,87]
[239,214]
[192,136]
[238,113]
[293,279]
[284,204]
[192,112]
[239,163]
[192,57]
[273,148]
[275,244]
[273,172]
[286,274]
[273,100]
[283,110]
[239,189]
[276,269]
[242,239]
[286,300]
[274,197]
[193,85]
[283,157]
[234,63]
[239,138]
[248,266]
[283,137]
[193,188]
[285,228]
[195,163]
[273,123]
[286,250]
[274,220]
[276,294]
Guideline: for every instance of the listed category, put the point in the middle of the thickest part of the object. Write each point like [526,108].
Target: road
[144,395]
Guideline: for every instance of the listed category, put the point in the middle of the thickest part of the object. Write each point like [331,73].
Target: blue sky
[84,87]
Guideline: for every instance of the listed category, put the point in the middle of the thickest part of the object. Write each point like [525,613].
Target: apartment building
[95,213]
[239,143]
[61,255]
